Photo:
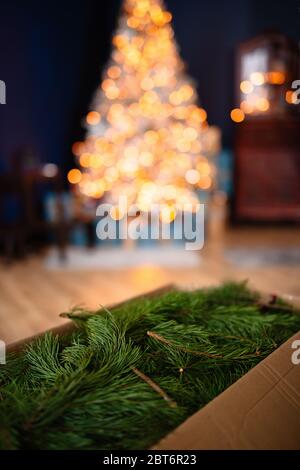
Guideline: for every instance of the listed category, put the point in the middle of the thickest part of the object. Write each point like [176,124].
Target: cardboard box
[261,410]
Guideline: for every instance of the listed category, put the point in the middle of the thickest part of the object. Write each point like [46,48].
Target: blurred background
[244,58]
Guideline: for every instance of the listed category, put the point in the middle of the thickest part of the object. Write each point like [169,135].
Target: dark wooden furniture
[21,211]
[267,142]
[36,183]
[267,170]
[13,226]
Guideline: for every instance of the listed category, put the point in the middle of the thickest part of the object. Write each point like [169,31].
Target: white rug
[118,257]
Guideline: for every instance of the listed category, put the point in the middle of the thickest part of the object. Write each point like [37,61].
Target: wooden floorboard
[31,297]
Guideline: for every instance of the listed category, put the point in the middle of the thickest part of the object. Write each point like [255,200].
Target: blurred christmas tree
[146,137]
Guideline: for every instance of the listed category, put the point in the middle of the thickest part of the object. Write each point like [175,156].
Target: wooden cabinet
[267,142]
[267,170]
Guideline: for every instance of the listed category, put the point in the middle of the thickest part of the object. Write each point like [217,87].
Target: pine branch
[155,387]
[181,348]
[87,390]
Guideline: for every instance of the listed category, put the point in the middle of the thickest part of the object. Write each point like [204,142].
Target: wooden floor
[32,297]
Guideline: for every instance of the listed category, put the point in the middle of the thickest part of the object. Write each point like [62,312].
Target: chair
[13,226]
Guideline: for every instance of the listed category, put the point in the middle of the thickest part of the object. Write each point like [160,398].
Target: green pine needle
[103,386]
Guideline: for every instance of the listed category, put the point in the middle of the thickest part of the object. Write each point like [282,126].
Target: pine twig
[155,387]
[187,350]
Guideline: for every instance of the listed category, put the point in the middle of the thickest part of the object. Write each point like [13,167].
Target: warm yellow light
[107,83]
[150,97]
[77,148]
[291,97]
[131,152]
[183,145]
[165,110]
[93,118]
[186,92]
[180,112]
[203,168]
[198,115]
[138,41]
[147,84]
[108,184]
[262,104]
[112,92]
[276,77]
[237,115]
[169,192]
[149,187]
[96,161]
[116,213]
[119,41]
[167,214]
[257,78]
[167,16]
[190,133]
[175,98]
[114,72]
[155,141]
[246,86]
[157,15]
[114,113]
[84,160]
[133,56]
[205,182]
[111,174]
[101,144]
[151,137]
[139,12]
[247,107]
[192,176]
[196,147]
[94,189]
[146,158]
[108,159]
[128,165]
[134,109]
[133,22]
[74,176]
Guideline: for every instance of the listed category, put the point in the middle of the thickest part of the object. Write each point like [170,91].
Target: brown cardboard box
[259,411]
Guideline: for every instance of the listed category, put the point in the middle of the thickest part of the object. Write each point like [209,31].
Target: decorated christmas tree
[147,139]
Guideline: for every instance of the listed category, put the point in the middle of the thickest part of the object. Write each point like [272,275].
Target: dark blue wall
[51,54]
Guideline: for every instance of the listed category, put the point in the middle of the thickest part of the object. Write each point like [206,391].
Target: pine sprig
[114,382]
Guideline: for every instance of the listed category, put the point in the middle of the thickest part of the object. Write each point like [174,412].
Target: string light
[290,97]
[167,214]
[192,176]
[247,107]
[237,115]
[146,136]
[205,182]
[257,78]
[276,77]
[246,86]
[74,176]
[93,118]
[77,148]
[262,104]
